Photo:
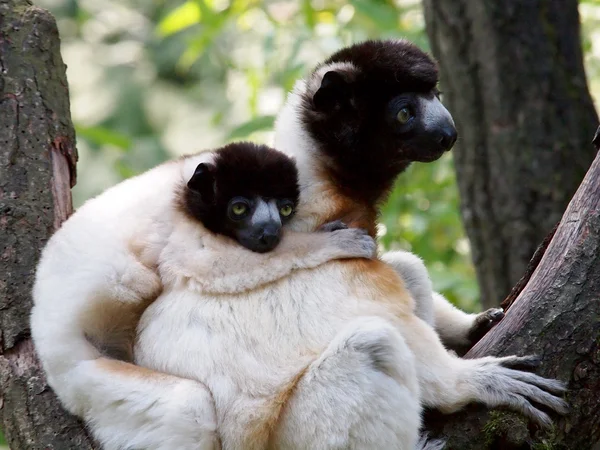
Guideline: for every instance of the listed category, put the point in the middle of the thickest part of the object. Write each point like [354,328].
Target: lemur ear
[333,92]
[203,182]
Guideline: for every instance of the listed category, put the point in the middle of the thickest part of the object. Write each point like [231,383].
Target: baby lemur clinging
[246,193]
[99,272]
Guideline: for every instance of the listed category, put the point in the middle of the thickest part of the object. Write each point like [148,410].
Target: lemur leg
[138,408]
[448,382]
[362,393]
[458,330]
[124,405]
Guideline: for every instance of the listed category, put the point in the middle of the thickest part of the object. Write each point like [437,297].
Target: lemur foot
[484,322]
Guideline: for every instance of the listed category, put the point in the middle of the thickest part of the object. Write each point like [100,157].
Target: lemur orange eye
[404,115]
[239,209]
[286,210]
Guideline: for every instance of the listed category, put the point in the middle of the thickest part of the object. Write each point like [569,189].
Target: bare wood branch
[37,170]
[556,315]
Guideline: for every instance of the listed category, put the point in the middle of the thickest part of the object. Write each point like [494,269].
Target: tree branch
[37,170]
[556,315]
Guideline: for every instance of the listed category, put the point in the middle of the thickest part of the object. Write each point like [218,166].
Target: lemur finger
[540,396]
[528,362]
[547,384]
[484,322]
[430,444]
[354,243]
[522,405]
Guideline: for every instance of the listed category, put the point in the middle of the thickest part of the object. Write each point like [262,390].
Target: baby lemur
[98,273]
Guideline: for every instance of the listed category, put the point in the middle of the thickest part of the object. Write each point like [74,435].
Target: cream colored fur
[452,325]
[333,357]
[327,357]
[99,272]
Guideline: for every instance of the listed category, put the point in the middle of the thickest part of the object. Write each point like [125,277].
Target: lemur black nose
[270,235]
[448,136]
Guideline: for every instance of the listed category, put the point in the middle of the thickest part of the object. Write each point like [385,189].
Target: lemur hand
[351,242]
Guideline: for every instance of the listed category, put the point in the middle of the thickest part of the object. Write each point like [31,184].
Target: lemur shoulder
[316,359]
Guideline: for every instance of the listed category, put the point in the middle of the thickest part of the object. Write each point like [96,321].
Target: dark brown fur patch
[247,170]
[350,117]
[390,65]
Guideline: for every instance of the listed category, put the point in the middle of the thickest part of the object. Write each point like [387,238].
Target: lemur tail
[124,405]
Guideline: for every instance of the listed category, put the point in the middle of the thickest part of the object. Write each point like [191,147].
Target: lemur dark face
[374,108]
[248,193]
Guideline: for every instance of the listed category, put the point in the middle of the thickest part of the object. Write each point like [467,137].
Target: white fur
[89,273]
[416,279]
[247,348]
[452,324]
[97,274]
[342,339]
[328,358]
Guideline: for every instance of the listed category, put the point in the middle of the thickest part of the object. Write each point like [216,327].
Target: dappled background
[153,79]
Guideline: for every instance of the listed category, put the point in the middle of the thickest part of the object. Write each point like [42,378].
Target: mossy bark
[37,170]
[512,75]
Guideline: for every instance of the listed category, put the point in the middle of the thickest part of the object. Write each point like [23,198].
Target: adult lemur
[334,357]
[358,122]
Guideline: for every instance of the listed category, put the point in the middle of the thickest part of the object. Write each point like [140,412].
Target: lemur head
[372,109]
[247,192]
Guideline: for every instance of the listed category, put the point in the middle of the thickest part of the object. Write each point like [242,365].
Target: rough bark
[556,315]
[37,170]
[512,75]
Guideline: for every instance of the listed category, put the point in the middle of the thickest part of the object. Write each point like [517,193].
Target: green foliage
[150,80]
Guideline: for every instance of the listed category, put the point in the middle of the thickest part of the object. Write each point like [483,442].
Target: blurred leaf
[246,129]
[124,170]
[180,18]
[383,14]
[104,136]
[309,14]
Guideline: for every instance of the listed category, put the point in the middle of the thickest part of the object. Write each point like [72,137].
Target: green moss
[512,430]
[547,441]
[505,426]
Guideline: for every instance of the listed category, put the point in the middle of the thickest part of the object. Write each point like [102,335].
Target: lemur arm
[223,266]
[457,329]
[448,382]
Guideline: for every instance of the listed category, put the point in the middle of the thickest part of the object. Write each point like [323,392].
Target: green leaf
[246,129]
[383,15]
[180,18]
[309,14]
[104,136]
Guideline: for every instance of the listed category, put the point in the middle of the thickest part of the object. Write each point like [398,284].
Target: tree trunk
[37,170]
[557,315]
[512,75]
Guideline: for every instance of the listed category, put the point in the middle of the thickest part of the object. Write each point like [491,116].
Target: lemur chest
[254,340]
